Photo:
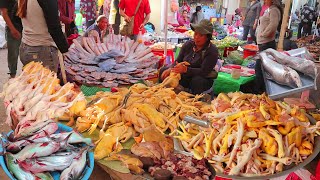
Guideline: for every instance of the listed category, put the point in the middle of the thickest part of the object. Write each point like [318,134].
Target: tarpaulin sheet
[225,83]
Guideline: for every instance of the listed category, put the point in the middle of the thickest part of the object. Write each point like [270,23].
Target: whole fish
[15,169]
[75,138]
[107,65]
[305,66]
[55,162]
[31,127]
[280,73]
[44,176]
[75,170]
[47,130]
[123,70]
[40,149]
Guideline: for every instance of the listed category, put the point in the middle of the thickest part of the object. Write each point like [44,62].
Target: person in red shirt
[67,15]
[127,9]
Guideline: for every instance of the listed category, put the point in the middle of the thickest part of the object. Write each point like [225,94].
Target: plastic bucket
[227,50]
[56,175]
[247,53]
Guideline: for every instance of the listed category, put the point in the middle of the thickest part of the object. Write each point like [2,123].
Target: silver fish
[75,170]
[280,73]
[124,70]
[40,149]
[305,66]
[54,162]
[30,128]
[73,139]
[15,169]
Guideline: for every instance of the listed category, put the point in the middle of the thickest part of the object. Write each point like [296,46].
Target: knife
[200,122]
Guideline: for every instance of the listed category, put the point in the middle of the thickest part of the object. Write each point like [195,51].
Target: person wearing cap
[202,56]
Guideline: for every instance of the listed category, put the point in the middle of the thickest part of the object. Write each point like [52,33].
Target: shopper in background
[67,15]
[266,34]
[183,19]
[236,19]
[13,30]
[268,25]
[197,16]
[42,32]
[127,10]
[308,15]
[98,30]
[250,21]
[288,44]
[114,16]
[202,56]
[88,9]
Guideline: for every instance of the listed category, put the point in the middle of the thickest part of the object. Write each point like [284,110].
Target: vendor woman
[202,56]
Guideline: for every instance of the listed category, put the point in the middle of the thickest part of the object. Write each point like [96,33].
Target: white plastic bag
[3,41]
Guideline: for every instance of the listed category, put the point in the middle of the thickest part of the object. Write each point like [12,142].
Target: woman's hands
[165,74]
[180,68]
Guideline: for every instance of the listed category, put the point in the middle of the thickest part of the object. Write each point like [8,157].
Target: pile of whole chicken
[118,61]
[36,95]
[128,112]
[250,135]
[37,151]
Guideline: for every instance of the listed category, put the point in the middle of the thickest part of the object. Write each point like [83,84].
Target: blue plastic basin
[56,175]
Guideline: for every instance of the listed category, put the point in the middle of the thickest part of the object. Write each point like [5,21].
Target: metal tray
[277,91]
[302,53]
[287,169]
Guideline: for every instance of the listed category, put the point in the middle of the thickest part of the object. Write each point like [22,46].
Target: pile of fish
[118,61]
[283,69]
[35,153]
[36,95]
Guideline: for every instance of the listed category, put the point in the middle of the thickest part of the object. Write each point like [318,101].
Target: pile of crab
[250,135]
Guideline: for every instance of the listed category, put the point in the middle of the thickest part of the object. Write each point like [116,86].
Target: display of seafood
[118,61]
[304,66]
[312,44]
[250,135]
[280,73]
[128,112]
[36,95]
[35,154]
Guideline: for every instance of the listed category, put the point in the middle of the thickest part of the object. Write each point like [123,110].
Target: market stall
[137,129]
[144,131]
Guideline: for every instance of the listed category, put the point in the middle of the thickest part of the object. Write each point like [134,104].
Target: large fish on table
[279,73]
[305,66]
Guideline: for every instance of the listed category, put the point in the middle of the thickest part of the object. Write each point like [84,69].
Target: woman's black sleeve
[50,11]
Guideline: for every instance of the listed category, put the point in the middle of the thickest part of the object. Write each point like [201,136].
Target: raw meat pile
[183,166]
[118,61]
[313,45]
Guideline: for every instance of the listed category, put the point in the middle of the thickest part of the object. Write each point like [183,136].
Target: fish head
[292,78]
